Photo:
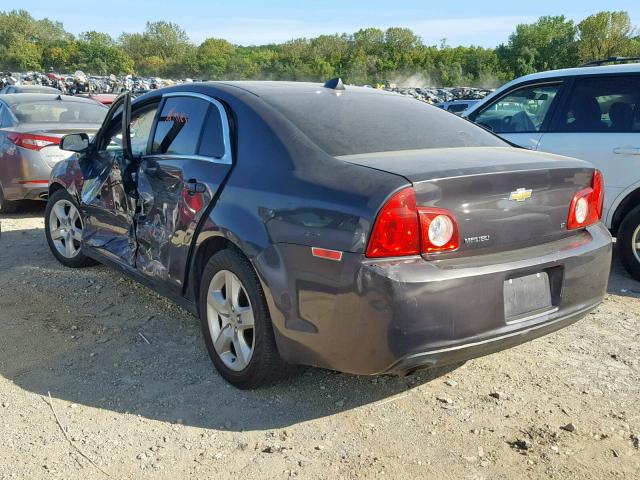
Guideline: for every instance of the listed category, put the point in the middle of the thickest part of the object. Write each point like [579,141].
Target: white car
[591,113]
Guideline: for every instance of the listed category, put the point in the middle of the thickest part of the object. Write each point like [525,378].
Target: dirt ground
[134,390]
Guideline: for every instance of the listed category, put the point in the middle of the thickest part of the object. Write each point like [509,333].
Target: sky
[252,22]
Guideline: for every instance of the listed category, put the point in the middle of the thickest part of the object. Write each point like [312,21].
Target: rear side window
[212,142]
[602,104]
[180,125]
[59,111]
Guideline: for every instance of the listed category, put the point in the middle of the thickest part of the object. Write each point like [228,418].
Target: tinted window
[602,104]
[140,128]
[357,122]
[179,126]
[522,110]
[212,144]
[59,111]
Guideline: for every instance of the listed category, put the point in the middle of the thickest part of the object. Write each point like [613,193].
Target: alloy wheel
[230,320]
[635,243]
[65,227]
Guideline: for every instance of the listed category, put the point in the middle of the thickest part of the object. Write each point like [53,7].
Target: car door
[190,156]
[599,121]
[521,114]
[109,197]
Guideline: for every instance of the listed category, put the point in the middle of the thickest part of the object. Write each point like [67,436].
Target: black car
[345,228]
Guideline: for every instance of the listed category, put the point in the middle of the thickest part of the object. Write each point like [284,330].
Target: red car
[103,98]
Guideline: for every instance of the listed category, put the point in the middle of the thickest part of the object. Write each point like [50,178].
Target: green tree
[98,53]
[604,35]
[214,55]
[546,44]
[24,39]
[163,48]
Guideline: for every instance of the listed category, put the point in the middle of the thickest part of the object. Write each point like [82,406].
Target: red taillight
[586,205]
[32,142]
[402,228]
[396,232]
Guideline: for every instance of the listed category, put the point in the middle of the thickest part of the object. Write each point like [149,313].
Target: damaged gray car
[344,228]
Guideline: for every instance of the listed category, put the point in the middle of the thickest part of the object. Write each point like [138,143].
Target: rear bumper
[466,351]
[369,317]
[26,191]
[24,175]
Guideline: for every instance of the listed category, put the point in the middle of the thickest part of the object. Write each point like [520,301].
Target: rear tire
[7,206]
[63,229]
[628,242]
[231,297]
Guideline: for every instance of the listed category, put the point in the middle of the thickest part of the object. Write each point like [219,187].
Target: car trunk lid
[52,154]
[502,198]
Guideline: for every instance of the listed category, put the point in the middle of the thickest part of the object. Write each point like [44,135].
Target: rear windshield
[59,111]
[353,122]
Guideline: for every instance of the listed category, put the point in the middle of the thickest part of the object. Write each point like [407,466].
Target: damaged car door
[109,196]
[190,156]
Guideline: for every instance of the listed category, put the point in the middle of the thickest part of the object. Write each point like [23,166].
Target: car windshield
[59,111]
[354,122]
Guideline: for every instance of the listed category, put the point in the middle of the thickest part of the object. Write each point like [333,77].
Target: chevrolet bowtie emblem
[520,195]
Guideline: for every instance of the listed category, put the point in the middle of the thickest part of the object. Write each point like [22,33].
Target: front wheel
[628,242]
[236,324]
[63,229]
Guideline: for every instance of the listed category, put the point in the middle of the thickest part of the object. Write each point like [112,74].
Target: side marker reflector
[334,255]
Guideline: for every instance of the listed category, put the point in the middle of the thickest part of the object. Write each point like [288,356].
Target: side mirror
[75,142]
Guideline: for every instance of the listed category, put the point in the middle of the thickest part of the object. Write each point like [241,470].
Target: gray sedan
[29,89]
[339,227]
[31,126]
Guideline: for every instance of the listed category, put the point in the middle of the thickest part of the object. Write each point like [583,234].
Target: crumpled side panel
[159,204]
[108,211]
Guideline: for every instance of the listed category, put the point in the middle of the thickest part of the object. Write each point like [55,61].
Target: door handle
[193,186]
[626,151]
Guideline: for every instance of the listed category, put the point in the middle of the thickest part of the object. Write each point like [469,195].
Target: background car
[592,113]
[303,230]
[457,106]
[28,89]
[103,98]
[31,126]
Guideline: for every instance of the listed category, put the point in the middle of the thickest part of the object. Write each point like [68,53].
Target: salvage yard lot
[131,382]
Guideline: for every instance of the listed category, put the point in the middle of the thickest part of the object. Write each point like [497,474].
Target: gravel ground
[136,394]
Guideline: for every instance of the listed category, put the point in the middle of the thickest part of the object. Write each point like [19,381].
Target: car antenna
[334,84]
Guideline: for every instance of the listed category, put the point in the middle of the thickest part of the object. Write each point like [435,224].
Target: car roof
[41,88]
[265,88]
[13,99]
[579,71]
